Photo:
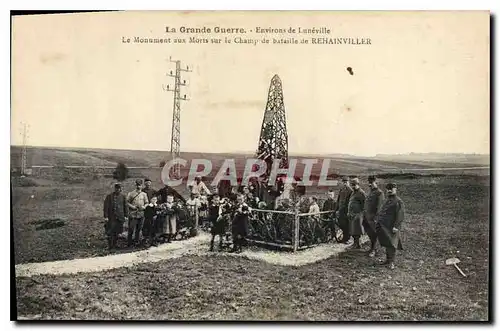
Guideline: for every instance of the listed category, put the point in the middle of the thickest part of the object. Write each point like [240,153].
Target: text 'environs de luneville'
[236,30]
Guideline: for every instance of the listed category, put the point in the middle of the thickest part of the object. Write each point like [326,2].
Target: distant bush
[398,176]
[408,175]
[121,172]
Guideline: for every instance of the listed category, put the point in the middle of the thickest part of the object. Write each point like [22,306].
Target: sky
[421,86]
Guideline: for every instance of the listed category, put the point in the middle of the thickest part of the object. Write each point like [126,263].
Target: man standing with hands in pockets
[355,211]
[137,201]
[342,207]
[388,223]
[374,200]
[115,214]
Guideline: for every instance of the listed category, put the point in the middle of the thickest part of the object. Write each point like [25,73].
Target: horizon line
[249,152]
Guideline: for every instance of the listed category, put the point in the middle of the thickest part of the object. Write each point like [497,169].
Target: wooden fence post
[296,226]
[196,217]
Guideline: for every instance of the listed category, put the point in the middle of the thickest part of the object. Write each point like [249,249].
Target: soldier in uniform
[374,201]
[341,210]
[388,224]
[115,214]
[137,201]
[355,212]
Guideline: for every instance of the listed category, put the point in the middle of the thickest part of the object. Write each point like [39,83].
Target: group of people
[154,215]
[151,215]
[377,214]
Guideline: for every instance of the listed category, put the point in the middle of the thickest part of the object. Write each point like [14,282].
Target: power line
[175,142]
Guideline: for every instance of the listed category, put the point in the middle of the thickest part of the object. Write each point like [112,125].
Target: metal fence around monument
[290,230]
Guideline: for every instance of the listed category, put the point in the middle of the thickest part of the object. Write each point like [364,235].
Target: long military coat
[115,210]
[373,203]
[355,212]
[391,215]
[342,204]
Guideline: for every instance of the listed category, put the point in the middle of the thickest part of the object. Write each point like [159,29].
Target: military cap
[147,179]
[138,182]
[345,179]
[118,185]
[390,186]
[355,180]
[371,179]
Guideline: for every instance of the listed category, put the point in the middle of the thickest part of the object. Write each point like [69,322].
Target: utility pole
[24,162]
[175,142]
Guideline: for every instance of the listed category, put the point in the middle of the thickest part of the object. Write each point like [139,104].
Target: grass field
[447,216]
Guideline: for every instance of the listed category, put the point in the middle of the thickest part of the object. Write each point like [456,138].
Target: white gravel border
[193,246]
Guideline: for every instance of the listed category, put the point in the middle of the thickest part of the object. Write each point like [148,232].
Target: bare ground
[446,218]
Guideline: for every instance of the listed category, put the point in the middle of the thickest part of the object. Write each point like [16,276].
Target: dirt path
[101,263]
[194,246]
